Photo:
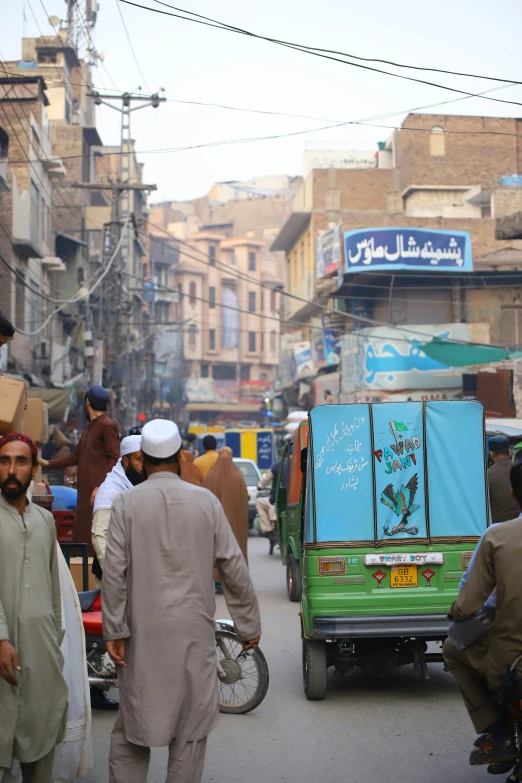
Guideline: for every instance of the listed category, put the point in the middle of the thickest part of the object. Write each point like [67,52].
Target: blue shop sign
[512,181]
[407,249]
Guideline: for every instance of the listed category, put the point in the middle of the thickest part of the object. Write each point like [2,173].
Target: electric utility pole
[116,310]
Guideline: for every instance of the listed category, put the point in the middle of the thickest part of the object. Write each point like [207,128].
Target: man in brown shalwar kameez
[227,483]
[96,453]
[158,612]
[478,668]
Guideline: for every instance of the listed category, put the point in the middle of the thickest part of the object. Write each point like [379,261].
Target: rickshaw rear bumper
[429,626]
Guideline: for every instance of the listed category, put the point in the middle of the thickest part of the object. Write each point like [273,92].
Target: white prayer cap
[130,444]
[160,438]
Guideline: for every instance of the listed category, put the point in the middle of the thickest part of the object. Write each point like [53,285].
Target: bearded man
[127,473]
[33,693]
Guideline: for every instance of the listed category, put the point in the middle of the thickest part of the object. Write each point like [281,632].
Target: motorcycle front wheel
[242,675]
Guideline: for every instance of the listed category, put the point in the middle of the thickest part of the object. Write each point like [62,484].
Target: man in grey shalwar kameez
[158,610]
[33,693]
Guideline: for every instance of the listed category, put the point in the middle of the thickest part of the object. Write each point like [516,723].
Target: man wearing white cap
[158,610]
[127,473]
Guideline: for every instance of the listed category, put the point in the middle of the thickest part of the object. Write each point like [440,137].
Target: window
[192,335]
[249,472]
[437,142]
[262,336]
[212,339]
[251,301]
[212,254]
[273,301]
[262,306]
[252,342]
[251,261]
[4,143]
[244,372]
[211,296]
[224,372]
[204,371]
[35,212]
[192,293]
[263,376]
[273,342]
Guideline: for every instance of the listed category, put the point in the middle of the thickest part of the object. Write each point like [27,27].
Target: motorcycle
[242,674]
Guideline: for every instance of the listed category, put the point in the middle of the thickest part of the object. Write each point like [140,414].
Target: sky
[197,63]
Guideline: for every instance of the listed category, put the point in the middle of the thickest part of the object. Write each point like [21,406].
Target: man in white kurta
[158,610]
[33,693]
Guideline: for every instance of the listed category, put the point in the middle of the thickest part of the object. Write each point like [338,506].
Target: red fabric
[11,436]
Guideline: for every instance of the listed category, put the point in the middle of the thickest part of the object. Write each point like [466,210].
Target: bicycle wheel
[242,675]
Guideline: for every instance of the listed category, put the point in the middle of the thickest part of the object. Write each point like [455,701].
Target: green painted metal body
[357,593]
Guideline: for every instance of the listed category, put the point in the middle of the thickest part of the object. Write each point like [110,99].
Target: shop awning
[454,354]
[224,407]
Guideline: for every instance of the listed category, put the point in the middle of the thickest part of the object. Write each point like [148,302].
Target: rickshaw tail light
[332,565]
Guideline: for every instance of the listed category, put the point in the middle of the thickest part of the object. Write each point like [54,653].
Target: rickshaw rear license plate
[404,576]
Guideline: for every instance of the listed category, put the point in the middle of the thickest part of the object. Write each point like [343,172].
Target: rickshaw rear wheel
[292,578]
[314,669]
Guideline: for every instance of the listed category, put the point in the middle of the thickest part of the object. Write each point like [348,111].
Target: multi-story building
[436,173]
[29,268]
[71,129]
[230,282]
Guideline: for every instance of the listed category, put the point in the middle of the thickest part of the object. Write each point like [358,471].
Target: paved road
[367,729]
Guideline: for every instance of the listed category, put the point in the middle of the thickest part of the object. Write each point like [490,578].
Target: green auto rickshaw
[394,499]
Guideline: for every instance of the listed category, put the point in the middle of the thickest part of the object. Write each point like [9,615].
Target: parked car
[252,476]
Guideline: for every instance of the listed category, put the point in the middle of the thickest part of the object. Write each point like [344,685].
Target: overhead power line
[233,271]
[133,52]
[222,26]
[225,25]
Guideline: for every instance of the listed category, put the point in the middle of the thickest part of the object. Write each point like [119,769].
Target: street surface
[367,729]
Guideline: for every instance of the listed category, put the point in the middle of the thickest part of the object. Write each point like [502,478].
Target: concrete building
[29,271]
[436,172]
[229,282]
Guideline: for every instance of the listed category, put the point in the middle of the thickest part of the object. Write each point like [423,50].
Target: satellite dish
[101,56]
[54,21]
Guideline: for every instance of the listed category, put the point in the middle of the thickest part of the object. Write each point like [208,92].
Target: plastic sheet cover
[397,471]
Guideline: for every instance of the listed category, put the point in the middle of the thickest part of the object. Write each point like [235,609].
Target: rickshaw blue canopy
[396,472]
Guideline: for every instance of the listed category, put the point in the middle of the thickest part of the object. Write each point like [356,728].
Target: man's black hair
[327,391]
[209,443]
[191,437]
[515,476]
[161,460]
[6,327]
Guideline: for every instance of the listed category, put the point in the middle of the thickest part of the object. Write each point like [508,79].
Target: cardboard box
[13,397]
[36,420]
[77,573]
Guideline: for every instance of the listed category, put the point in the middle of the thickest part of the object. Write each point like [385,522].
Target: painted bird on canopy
[401,502]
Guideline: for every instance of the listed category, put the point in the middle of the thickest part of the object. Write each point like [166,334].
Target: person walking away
[227,483]
[209,458]
[188,471]
[479,667]
[33,693]
[191,444]
[503,506]
[96,453]
[265,506]
[158,613]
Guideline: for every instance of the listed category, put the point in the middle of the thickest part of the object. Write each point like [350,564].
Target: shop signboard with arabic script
[385,358]
[406,249]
